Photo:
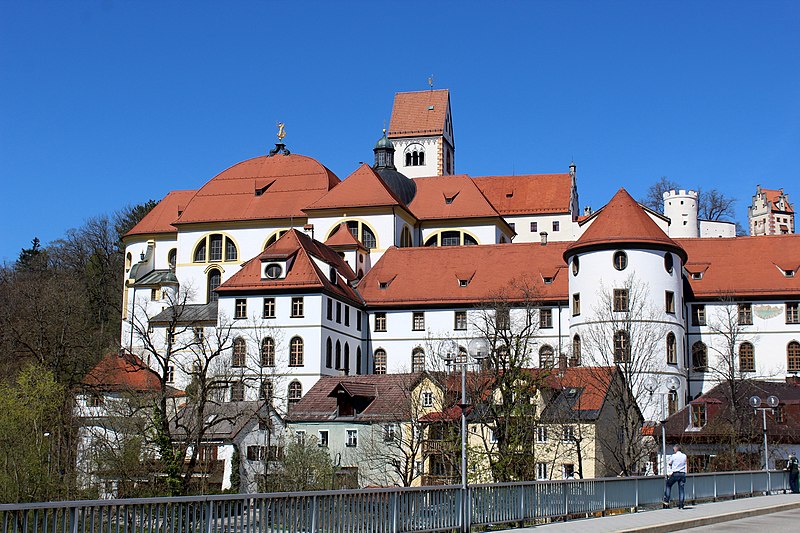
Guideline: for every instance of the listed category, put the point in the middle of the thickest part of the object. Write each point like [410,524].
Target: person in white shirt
[676,465]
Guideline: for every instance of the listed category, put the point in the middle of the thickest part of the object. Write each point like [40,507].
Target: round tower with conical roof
[626,290]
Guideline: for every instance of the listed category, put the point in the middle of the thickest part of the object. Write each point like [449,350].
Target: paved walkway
[665,520]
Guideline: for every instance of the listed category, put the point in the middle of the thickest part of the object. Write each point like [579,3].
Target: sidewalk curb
[716,519]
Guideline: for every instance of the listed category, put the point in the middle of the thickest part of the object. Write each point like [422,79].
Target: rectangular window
[418,321]
[568,470]
[358,320]
[556,225]
[576,304]
[380,321]
[237,391]
[793,312]
[502,319]
[323,438]
[330,309]
[300,436]
[352,438]
[256,453]
[534,227]
[347,316]
[546,318]
[170,374]
[460,320]
[698,415]
[621,300]
[155,294]
[780,414]
[745,314]
[215,253]
[569,434]
[297,307]
[338,312]
[541,470]
[541,434]
[199,334]
[241,308]
[390,432]
[269,308]
[427,399]
[699,315]
[669,302]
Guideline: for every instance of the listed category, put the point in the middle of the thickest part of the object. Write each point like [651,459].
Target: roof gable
[450,197]
[362,188]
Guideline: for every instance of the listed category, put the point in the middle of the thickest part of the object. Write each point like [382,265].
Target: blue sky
[108,103]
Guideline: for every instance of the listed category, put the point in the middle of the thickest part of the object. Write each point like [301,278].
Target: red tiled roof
[412,116]
[533,193]
[466,199]
[303,274]
[342,238]
[744,266]
[431,275]
[161,217]
[261,188]
[391,400]
[773,197]
[623,221]
[122,373]
[594,380]
[362,188]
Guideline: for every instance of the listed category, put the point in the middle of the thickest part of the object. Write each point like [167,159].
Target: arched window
[295,392]
[417,360]
[672,349]
[239,352]
[622,347]
[200,252]
[620,260]
[408,159]
[699,357]
[128,261]
[346,358]
[172,258]
[338,355]
[668,262]
[575,360]
[211,249]
[469,240]
[274,237]
[268,352]
[547,357]
[451,238]
[296,352]
[421,158]
[414,155]
[214,281]
[358,359]
[360,231]
[405,238]
[747,358]
[793,356]
[379,362]
[328,351]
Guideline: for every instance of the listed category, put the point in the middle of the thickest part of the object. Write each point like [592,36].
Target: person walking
[676,466]
[794,471]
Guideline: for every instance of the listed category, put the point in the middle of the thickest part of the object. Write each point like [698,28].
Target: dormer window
[548,280]
[697,275]
[699,415]
[788,273]
[463,282]
[273,271]
[383,285]
[449,199]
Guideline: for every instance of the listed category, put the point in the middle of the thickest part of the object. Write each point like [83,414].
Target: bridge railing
[395,510]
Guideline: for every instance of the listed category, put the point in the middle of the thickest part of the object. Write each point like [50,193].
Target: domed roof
[384,143]
[404,188]
[264,187]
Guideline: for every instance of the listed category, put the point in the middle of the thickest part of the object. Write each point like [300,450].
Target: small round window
[273,271]
[668,262]
[575,266]
[620,260]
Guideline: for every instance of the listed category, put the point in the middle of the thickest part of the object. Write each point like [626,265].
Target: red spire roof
[623,221]
[362,188]
[342,238]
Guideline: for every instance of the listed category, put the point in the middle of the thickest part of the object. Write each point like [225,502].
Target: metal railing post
[314,513]
[395,511]
[636,489]
[209,516]
[605,502]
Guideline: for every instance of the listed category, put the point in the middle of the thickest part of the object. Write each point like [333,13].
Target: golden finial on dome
[281,131]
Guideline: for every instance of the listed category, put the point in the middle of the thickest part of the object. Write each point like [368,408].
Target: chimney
[587,211]
[543,235]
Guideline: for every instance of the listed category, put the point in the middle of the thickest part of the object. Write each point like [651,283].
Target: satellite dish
[673,383]
[773,401]
[755,402]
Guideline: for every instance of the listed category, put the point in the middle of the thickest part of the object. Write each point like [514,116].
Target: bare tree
[625,333]
[711,205]
[654,197]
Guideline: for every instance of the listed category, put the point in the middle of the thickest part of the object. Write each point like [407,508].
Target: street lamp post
[772,403]
[652,384]
[478,350]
